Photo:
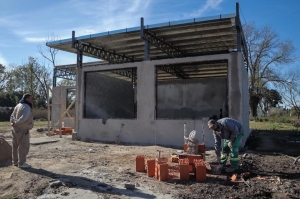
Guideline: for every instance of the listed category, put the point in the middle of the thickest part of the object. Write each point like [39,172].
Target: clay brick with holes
[151,168]
[201,148]
[140,163]
[163,171]
[200,170]
[184,169]
[193,157]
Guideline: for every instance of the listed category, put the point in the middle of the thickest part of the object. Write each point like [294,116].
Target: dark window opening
[191,90]
[111,94]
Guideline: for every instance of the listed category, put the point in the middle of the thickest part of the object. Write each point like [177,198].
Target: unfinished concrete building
[155,78]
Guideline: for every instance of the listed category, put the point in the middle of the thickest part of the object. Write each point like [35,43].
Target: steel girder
[112,57]
[127,73]
[241,40]
[66,73]
[159,42]
[173,71]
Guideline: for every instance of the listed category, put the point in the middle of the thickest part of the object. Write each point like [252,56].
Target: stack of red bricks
[64,131]
[185,164]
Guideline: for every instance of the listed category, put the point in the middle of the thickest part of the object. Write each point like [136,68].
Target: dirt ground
[76,169]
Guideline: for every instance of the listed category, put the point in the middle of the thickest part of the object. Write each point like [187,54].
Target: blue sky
[25,24]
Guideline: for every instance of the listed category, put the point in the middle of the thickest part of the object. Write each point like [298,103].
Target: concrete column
[238,92]
[146,91]
[234,87]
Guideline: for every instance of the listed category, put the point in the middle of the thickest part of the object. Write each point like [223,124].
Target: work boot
[25,166]
[230,170]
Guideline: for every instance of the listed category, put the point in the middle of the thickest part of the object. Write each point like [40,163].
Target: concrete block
[74,136]
[129,186]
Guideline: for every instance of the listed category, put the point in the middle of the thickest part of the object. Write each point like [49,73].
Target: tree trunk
[254,100]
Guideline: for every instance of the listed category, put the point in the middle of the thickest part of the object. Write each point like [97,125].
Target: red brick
[163,172]
[193,157]
[151,168]
[140,163]
[201,148]
[184,172]
[200,173]
[185,146]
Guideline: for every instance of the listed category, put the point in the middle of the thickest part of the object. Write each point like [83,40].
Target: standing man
[231,131]
[21,121]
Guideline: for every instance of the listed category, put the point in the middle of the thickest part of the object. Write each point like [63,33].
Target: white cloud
[35,39]
[209,5]
[111,15]
[3,60]
[90,18]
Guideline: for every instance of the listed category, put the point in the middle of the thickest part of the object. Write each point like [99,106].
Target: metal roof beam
[173,71]
[101,53]
[193,77]
[159,42]
[65,74]
[126,73]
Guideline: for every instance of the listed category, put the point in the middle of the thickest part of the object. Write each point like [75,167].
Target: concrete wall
[238,93]
[145,129]
[59,97]
[108,97]
[191,98]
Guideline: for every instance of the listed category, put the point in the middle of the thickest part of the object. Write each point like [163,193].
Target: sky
[27,24]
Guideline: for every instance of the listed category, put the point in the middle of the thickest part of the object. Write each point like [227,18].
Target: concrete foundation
[163,124]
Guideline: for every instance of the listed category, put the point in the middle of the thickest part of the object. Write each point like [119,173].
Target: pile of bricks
[176,167]
[64,131]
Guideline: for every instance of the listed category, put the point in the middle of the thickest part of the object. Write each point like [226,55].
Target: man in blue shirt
[232,132]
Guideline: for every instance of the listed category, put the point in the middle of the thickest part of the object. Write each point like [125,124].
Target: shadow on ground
[89,184]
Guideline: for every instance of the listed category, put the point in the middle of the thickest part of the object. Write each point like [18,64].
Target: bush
[5,114]
[296,124]
[40,114]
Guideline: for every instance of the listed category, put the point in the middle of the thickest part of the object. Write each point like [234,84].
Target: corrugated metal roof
[198,36]
[192,37]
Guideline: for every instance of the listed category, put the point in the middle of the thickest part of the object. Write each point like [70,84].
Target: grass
[275,123]
[273,126]
[284,123]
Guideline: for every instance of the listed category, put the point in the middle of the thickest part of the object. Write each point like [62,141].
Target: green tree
[3,77]
[30,77]
[291,97]
[267,55]
[270,98]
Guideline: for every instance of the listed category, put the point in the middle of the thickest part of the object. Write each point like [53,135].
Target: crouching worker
[232,132]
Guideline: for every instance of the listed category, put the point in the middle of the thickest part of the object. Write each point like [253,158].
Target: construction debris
[5,150]
[129,186]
